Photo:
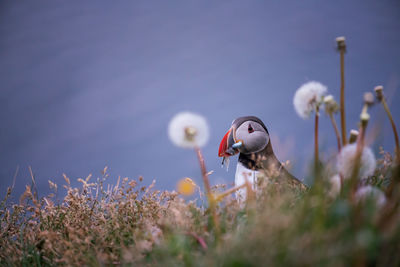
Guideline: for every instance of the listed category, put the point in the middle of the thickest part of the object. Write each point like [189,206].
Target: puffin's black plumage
[255,151]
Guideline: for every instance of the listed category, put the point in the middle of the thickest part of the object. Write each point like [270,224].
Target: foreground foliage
[130,224]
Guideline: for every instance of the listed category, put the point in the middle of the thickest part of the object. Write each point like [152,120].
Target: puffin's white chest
[240,178]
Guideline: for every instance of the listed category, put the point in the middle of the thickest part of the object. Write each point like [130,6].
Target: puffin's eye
[250,129]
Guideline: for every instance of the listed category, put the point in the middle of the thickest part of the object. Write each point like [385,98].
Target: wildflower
[368,102]
[188,130]
[370,192]
[308,97]
[186,186]
[341,43]
[346,161]
[364,117]
[379,92]
[341,47]
[368,98]
[331,105]
[353,136]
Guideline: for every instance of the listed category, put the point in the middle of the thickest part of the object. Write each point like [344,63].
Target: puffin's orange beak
[223,146]
[229,146]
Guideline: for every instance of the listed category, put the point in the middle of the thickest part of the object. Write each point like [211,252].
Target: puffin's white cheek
[255,142]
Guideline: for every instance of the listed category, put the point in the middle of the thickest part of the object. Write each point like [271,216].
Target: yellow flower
[186,186]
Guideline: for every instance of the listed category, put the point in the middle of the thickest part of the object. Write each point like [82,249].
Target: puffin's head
[247,135]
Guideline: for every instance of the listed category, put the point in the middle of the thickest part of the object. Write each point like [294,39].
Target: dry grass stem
[381,98]
[210,196]
[316,148]
[335,128]
[341,45]
[228,192]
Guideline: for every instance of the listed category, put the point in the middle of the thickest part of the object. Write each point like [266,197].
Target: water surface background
[88,84]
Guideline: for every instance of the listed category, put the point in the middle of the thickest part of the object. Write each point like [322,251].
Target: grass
[130,224]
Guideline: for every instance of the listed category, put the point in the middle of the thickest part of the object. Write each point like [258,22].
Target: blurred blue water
[86,84]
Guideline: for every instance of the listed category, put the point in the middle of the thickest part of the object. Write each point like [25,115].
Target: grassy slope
[129,224]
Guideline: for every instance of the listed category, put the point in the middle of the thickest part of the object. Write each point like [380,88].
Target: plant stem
[249,190]
[229,191]
[336,130]
[316,155]
[395,180]
[342,112]
[199,239]
[361,137]
[357,158]
[203,171]
[210,197]
[396,136]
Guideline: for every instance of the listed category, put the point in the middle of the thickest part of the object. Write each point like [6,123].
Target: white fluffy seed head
[188,130]
[308,97]
[335,185]
[369,191]
[346,161]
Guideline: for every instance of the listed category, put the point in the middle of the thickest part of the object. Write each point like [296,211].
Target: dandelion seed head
[335,185]
[346,161]
[308,97]
[369,191]
[188,130]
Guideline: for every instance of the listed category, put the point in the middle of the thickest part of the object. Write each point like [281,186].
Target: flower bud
[341,43]
[330,104]
[353,136]
[379,92]
[368,98]
[364,117]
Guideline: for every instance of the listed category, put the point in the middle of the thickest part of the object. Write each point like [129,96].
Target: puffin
[248,136]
